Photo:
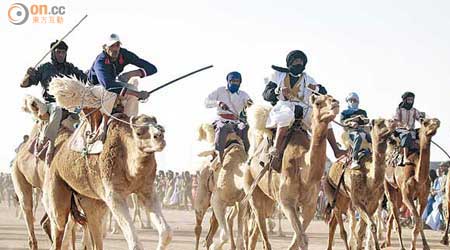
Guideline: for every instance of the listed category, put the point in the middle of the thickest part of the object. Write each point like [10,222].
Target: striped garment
[407,118]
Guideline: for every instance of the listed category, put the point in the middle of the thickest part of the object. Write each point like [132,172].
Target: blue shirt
[104,71]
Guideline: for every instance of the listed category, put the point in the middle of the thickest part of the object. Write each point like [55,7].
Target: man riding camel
[404,120]
[231,103]
[289,90]
[106,74]
[353,118]
[58,67]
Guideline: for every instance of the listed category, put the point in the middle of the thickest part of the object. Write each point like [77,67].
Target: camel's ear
[372,124]
[425,122]
[133,121]
[313,99]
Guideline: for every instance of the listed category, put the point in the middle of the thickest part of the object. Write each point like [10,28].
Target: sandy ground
[13,234]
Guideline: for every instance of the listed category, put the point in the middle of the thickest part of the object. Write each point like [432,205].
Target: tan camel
[126,165]
[201,206]
[28,171]
[409,183]
[302,168]
[221,186]
[446,209]
[362,188]
[227,190]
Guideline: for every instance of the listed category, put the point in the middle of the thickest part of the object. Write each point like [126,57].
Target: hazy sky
[378,49]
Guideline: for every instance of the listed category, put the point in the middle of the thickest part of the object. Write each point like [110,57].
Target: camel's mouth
[155,147]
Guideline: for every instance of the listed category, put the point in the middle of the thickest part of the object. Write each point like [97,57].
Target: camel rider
[289,90]
[106,74]
[404,119]
[230,103]
[353,118]
[43,75]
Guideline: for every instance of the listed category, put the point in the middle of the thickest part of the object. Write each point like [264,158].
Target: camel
[446,209]
[405,184]
[216,183]
[298,184]
[226,188]
[201,206]
[126,165]
[28,171]
[362,188]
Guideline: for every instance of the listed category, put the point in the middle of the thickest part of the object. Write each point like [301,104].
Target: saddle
[68,121]
[264,158]
[88,137]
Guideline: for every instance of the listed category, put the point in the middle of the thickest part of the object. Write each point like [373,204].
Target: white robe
[282,114]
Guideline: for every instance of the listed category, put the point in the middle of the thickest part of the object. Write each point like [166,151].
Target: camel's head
[430,126]
[325,108]
[381,129]
[147,133]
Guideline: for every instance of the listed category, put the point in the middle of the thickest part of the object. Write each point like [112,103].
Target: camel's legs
[148,225]
[422,203]
[69,231]
[95,211]
[331,230]
[119,208]
[253,235]
[219,209]
[409,202]
[300,239]
[308,212]
[213,227]
[56,198]
[136,210]
[342,231]
[395,201]
[230,222]
[152,203]
[373,228]
[352,223]
[199,214]
[280,217]
[258,206]
[241,221]
[24,192]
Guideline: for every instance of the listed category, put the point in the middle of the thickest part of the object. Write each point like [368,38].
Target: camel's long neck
[379,161]
[317,152]
[423,166]
[142,164]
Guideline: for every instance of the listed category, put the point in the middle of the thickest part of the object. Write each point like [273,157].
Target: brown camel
[126,165]
[298,184]
[28,171]
[446,209]
[362,188]
[405,184]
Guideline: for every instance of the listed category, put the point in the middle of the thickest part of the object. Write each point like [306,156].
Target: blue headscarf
[233,87]
[352,105]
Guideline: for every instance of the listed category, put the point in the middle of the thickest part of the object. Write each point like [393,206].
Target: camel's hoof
[444,241]
[385,244]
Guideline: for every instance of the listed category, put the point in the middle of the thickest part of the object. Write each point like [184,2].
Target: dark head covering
[295,54]
[234,76]
[408,94]
[404,104]
[63,46]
